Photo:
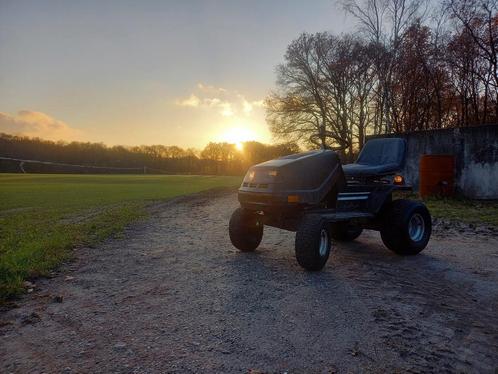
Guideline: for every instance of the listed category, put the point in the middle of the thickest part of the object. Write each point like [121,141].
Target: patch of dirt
[82,217]
[7,212]
[173,295]
[444,227]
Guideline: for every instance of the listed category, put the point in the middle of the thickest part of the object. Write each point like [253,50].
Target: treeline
[409,67]
[215,158]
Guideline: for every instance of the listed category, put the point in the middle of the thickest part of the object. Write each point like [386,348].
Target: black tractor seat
[377,158]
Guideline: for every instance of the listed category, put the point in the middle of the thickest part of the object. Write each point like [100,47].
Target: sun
[237,136]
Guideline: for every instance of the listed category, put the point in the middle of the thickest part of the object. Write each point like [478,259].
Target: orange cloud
[37,124]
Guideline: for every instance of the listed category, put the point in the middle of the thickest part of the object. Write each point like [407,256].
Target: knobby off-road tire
[245,230]
[407,227]
[312,243]
[345,231]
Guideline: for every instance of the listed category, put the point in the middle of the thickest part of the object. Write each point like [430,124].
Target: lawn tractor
[311,194]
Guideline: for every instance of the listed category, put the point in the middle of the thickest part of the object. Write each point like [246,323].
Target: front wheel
[245,230]
[407,227]
[312,243]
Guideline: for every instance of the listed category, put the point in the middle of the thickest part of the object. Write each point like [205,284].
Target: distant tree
[175,152]
[212,152]
[256,152]
[217,158]
[192,152]
[223,157]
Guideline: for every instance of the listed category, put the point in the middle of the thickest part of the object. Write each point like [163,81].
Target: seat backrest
[383,151]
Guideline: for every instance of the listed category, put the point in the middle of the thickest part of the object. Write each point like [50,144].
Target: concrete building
[476,157]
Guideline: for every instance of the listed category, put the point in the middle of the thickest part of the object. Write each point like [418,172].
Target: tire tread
[307,243]
[394,231]
[243,232]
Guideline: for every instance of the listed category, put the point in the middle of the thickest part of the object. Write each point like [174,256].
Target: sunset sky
[147,72]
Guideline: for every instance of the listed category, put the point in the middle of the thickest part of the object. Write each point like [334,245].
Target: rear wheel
[312,243]
[245,230]
[407,227]
[345,231]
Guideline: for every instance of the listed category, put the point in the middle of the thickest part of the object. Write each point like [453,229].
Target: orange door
[437,175]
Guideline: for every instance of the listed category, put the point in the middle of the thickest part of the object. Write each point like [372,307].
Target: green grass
[470,211]
[459,209]
[42,217]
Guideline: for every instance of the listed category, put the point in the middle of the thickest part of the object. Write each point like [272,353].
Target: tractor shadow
[364,264]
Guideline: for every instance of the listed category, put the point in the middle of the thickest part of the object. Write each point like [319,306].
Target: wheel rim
[324,242]
[416,227]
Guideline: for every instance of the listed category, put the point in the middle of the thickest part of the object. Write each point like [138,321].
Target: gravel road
[173,295]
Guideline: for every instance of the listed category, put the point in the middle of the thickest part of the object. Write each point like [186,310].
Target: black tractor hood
[309,175]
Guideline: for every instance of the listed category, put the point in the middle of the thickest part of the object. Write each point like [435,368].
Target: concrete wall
[476,153]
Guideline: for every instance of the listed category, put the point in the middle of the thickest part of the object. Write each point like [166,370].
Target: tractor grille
[255,185]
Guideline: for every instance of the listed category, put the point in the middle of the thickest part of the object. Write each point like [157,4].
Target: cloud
[192,101]
[37,124]
[210,89]
[226,102]
[248,107]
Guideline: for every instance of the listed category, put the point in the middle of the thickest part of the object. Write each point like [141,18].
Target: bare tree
[349,77]
[370,15]
[324,92]
[479,19]
[385,22]
[404,72]
[300,111]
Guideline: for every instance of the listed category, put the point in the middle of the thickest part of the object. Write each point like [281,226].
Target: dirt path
[172,295]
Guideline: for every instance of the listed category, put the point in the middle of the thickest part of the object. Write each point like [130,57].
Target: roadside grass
[459,209]
[469,211]
[43,217]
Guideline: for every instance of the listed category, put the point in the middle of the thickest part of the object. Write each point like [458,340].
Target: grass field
[42,217]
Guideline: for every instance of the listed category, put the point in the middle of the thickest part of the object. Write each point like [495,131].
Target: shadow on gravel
[422,305]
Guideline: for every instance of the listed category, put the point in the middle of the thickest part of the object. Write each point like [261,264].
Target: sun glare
[238,135]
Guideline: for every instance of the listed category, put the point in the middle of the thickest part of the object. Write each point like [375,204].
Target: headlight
[398,179]
[293,199]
